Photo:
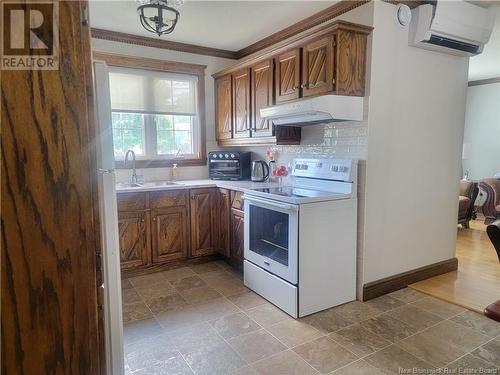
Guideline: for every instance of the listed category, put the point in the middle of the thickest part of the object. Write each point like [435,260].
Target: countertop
[193,184]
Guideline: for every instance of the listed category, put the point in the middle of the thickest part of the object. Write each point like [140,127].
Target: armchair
[491,206]
[467,197]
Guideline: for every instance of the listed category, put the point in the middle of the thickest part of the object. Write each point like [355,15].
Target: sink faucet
[134,173]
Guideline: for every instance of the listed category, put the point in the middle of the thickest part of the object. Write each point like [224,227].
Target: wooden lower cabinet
[237,238]
[204,225]
[224,208]
[134,238]
[170,234]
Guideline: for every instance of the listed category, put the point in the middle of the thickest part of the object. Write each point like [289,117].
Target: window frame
[122,61]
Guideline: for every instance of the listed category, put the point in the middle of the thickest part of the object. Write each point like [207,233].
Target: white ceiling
[229,25]
[487,64]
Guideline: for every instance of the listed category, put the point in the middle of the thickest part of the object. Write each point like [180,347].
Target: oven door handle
[283,206]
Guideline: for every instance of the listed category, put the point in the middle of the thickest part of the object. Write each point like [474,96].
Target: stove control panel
[329,169]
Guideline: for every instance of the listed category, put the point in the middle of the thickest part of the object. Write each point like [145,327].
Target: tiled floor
[202,320]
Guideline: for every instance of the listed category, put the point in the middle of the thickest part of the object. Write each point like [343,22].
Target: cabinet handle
[142,220]
[295,87]
[333,81]
[302,86]
[154,219]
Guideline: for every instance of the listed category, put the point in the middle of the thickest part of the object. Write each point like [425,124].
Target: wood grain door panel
[317,67]
[170,234]
[287,80]
[224,219]
[204,226]
[241,102]
[350,64]
[262,97]
[223,107]
[237,236]
[133,236]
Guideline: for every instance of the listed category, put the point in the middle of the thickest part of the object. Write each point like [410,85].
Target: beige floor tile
[247,370]
[478,323]
[356,311]
[359,340]
[256,345]
[267,314]
[415,317]
[324,355]
[436,306]
[218,275]
[458,335]
[327,321]
[177,273]
[126,284]
[489,352]
[470,361]
[393,359]
[407,295]
[148,280]
[201,294]
[155,291]
[191,338]
[284,363]
[189,282]
[215,309]
[293,332]
[141,329]
[360,367]
[145,354]
[130,295]
[234,325]
[385,303]
[229,287]
[164,303]
[389,328]
[135,311]
[247,300]
[214,358]
[205,267]
[174,365]
[180,318]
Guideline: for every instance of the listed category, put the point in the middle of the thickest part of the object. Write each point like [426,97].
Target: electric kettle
[260,171]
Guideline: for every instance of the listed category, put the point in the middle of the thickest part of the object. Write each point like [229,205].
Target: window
[155,112]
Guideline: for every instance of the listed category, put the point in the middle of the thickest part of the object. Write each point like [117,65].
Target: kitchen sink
[125,185]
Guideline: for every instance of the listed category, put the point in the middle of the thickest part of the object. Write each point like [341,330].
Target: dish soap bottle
[175,172]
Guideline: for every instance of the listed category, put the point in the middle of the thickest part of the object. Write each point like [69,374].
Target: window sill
[161,163]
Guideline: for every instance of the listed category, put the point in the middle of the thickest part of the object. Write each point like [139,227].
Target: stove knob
[221,156]
[214,156]
[232,156]
[226,156]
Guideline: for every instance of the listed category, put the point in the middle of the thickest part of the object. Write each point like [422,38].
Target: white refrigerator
[109,223]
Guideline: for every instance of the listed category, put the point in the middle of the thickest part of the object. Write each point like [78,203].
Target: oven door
[225,169]
[271,236]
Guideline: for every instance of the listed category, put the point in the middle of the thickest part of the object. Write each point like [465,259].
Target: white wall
[214,64]
[415,130]
[482,131]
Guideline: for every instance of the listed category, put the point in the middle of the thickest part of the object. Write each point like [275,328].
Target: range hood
[318,110]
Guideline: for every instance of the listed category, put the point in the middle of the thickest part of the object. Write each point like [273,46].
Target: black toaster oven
[229,165]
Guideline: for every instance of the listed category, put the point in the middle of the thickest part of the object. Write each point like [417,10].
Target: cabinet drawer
[131,201]
[237,200]
[164,199]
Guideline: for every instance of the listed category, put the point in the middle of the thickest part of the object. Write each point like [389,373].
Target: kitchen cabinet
[133,236]
[223,107]
[204,225]
[237,238]
[317,66]
[287,84]
[262,97]
[170,234]
[241,103]
[224,215]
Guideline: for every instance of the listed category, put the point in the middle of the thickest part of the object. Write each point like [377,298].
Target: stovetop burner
[294,192]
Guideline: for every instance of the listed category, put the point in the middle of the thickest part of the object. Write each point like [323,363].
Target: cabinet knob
[302,86]
[333,81]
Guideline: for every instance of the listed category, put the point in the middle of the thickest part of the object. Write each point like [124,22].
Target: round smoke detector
[403,15]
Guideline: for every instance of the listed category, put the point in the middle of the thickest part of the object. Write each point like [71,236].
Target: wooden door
[287,80]
[133,236]
[170,234]
[241,101]
[237,237]
[350,62]
[50,216]
[223,107]
[317,67]
[224,217]
[262,97]
[204,228]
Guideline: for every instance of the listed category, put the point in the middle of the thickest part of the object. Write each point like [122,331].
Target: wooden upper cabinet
[223,107]
[287,81]
[262,96]
[204,226]
[224,208]
[133,237]
[170,234]
[318,66]
[350,62]
[241,102]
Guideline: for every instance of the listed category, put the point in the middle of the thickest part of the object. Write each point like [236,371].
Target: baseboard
[402,280]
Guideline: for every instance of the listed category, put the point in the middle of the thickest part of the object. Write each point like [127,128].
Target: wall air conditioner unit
[454,27]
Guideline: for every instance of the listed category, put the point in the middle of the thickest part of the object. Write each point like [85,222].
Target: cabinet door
[287,79]
[170,234]
[241,100]
[224,221]
[204,228]
[317,67]
[262,97]
[223,107]
[350,62]
[237,237]
[133,234]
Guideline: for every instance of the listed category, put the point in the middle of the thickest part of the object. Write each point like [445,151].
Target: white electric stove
[300,240]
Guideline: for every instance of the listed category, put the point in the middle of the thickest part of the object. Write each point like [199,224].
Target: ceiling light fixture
[159,16]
